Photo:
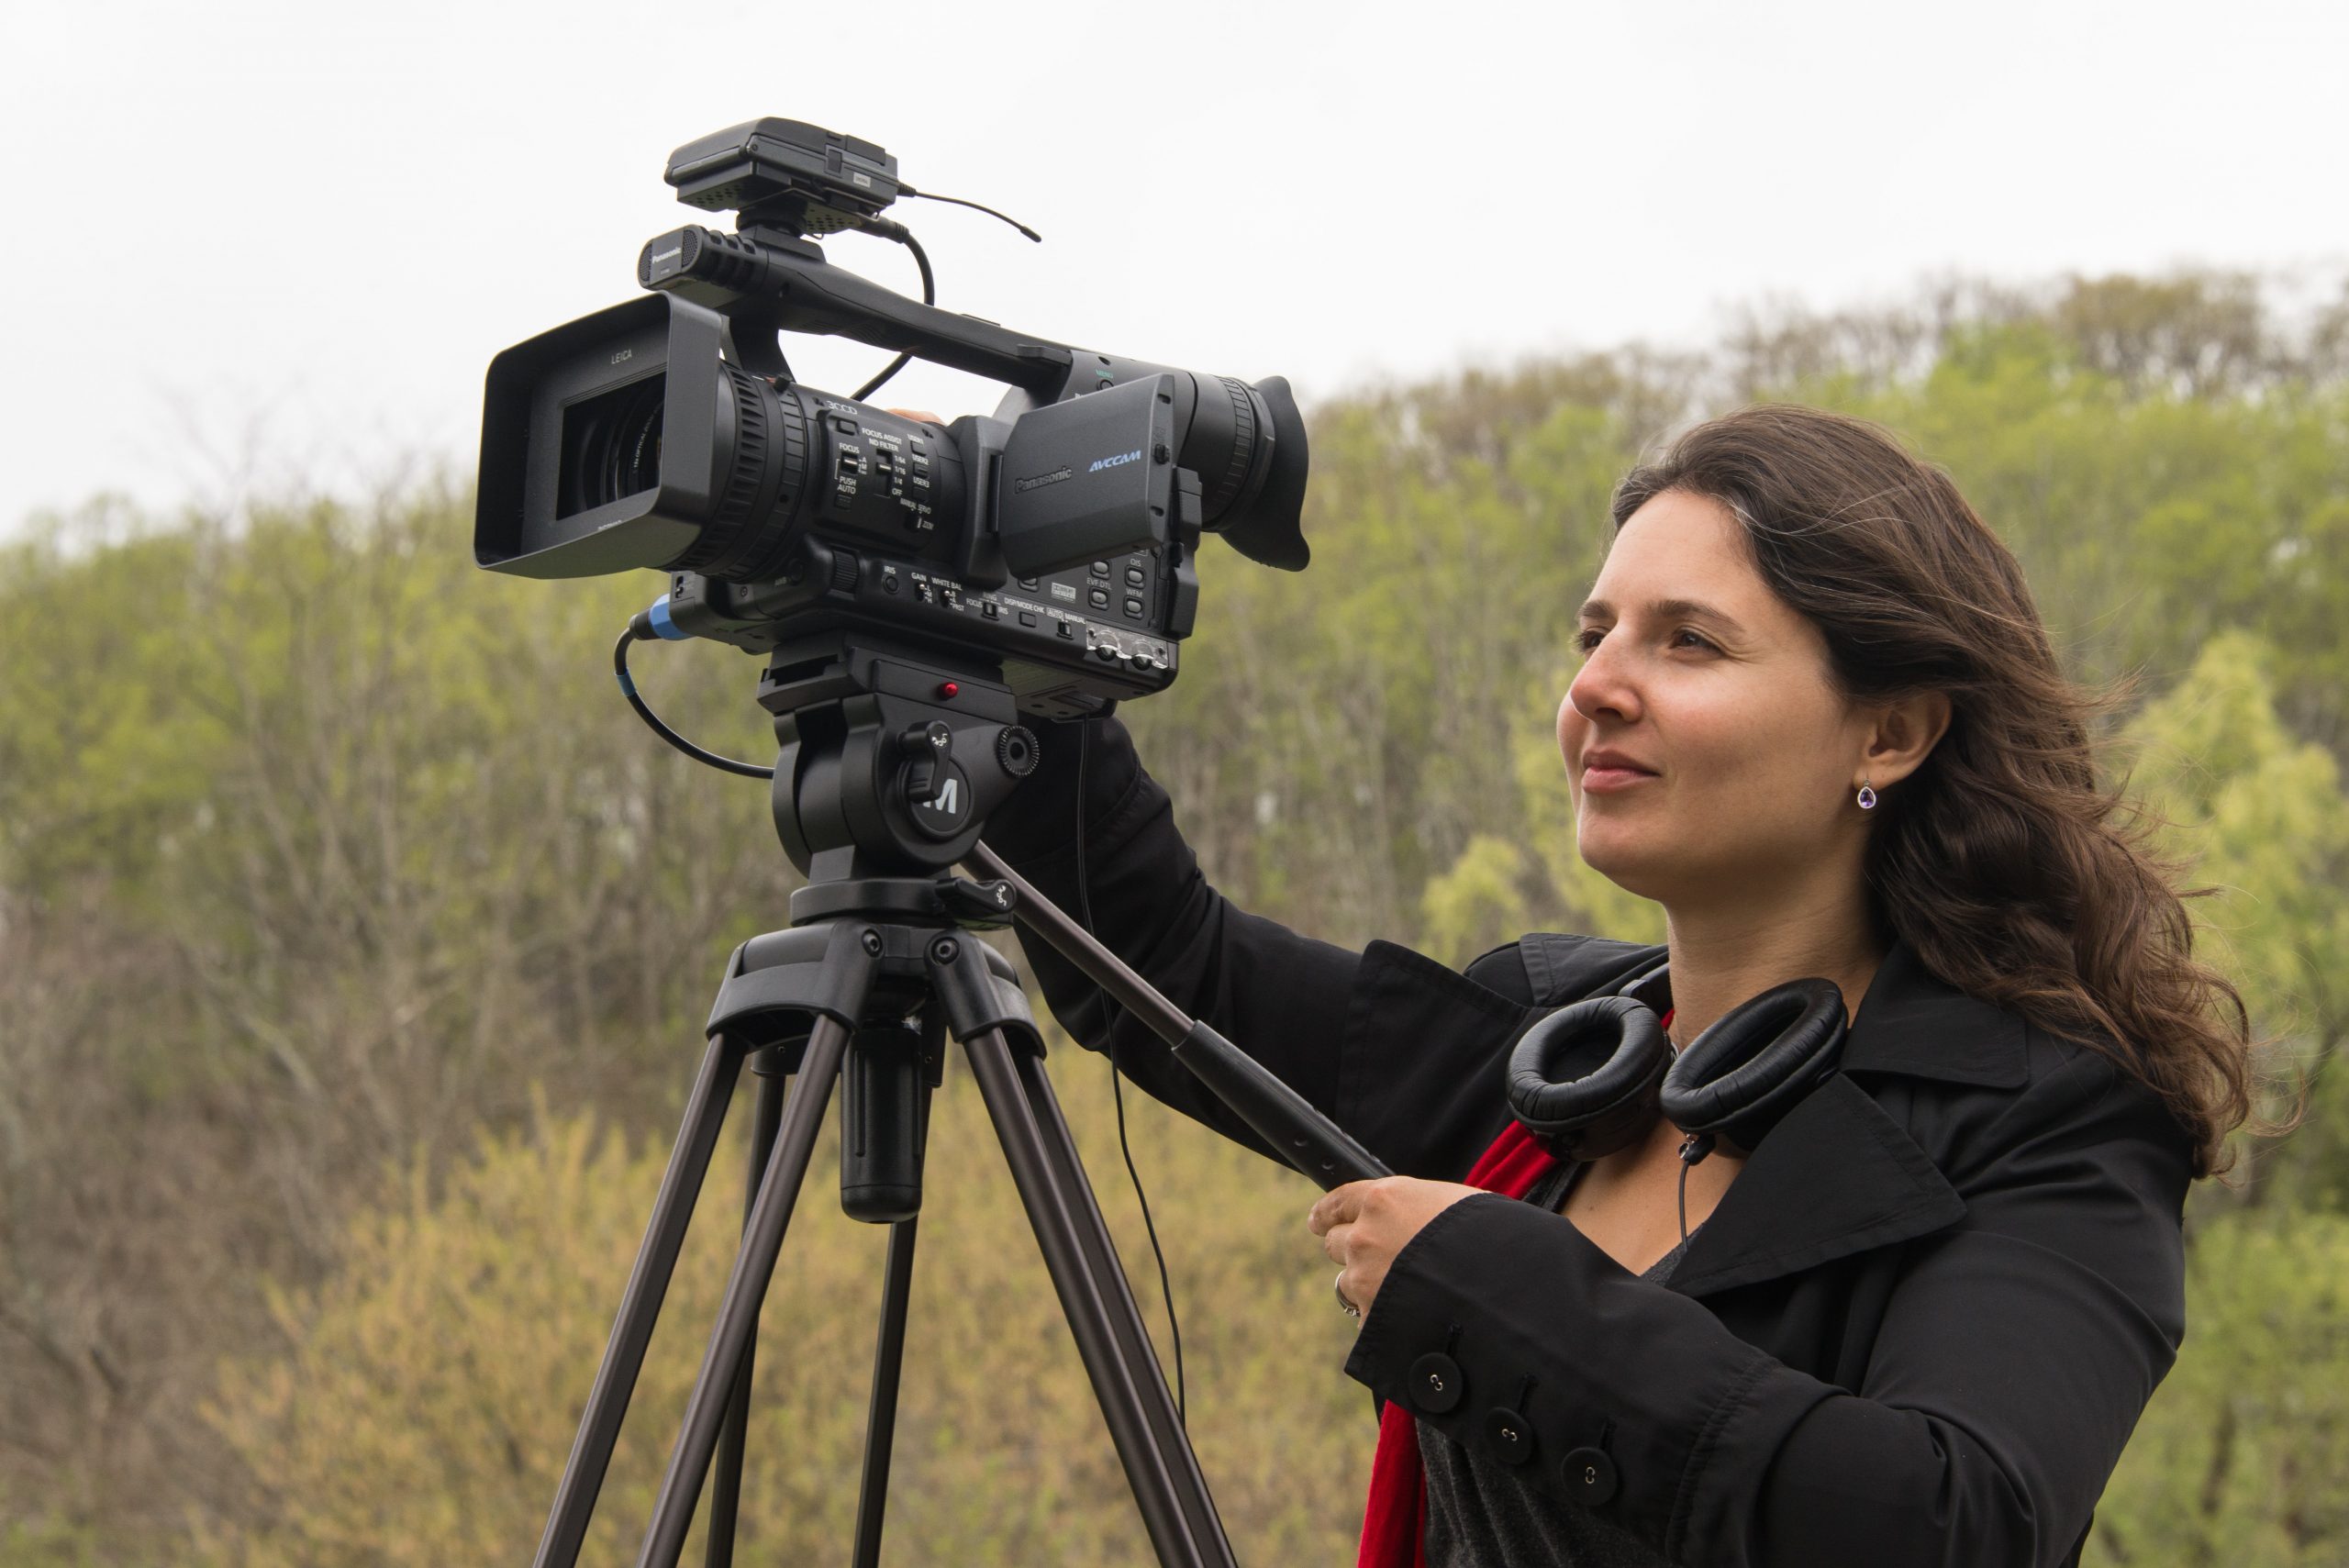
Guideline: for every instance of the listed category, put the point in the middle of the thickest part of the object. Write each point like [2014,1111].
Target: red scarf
[1394,1522]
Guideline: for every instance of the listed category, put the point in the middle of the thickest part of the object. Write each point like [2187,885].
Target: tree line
[356,939]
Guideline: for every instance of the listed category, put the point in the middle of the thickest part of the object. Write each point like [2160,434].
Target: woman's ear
[1904,734]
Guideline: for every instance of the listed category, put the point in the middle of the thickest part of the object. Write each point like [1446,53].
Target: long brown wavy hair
[2001,862]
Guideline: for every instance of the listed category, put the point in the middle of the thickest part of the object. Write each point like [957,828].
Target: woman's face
[1754,757]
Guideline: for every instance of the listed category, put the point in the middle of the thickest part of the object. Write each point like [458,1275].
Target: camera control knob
[1015,749]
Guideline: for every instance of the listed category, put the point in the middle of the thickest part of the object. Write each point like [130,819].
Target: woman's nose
[1603,686]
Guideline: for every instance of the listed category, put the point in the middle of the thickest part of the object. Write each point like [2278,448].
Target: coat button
[1437,1385]
[1510,1434]
[1590,1476]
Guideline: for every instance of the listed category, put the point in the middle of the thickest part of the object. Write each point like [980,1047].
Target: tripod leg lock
[978,906]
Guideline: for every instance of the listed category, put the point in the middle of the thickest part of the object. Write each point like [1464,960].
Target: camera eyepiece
[1264,520]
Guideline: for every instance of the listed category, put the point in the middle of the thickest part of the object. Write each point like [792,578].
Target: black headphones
[1594,1075]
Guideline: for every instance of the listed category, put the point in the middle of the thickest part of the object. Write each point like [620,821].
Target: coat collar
[1839,1175]
[1911,1021]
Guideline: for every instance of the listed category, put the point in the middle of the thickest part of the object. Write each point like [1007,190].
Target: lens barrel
[764,453]
[637,438]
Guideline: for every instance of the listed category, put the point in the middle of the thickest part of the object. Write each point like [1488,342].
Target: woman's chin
[1626,858]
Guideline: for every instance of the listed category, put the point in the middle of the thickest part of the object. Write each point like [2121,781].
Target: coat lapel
[1839,1175]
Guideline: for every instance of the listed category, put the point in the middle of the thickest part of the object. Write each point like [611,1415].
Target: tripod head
[892,757]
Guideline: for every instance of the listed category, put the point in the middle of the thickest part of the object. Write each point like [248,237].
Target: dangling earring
[1868,796]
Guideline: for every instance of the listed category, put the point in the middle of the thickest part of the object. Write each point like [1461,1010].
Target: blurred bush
[416,1407]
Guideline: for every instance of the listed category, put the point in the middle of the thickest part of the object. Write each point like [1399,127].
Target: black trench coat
[1918,1328]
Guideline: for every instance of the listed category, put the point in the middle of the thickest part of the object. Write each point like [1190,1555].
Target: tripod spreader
[1306,1139]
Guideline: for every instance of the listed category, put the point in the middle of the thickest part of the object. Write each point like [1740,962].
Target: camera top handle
[785,282]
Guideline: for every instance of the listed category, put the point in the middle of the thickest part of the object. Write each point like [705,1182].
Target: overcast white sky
[253,243]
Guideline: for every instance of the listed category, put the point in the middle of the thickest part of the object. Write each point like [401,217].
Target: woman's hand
[1363,1224]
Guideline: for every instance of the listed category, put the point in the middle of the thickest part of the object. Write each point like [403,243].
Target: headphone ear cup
[1586,1079]
[1738,1077]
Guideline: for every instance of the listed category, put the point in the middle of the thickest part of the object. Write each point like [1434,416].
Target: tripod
[890,760]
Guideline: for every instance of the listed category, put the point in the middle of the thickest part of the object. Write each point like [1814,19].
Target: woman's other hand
[923,414]
[1363,1225]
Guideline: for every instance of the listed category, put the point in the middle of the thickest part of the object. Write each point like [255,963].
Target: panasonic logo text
[1041,480]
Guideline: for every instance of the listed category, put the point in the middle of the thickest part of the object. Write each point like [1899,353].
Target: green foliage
[2149,522]
[1477,904]
[2268,816]
[2240,1457]
[318,845]
[2262,818]
[41,1544]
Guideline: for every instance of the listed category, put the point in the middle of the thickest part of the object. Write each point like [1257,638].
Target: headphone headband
[1593,1076]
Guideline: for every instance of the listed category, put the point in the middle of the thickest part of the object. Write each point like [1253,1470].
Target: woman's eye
[1588,639]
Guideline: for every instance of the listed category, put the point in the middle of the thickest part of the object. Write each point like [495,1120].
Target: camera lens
[611,446]
[636,447]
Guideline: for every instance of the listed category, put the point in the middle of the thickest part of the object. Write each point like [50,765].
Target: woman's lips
[1606,780]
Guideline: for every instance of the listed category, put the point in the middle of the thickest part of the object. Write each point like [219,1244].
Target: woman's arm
[2015,1355]
[1281,997]
[1401,1051]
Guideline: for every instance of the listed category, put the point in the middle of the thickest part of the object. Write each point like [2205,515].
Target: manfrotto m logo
[1102,463]
[948,801]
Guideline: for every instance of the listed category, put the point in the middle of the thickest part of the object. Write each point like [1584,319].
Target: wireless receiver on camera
[917,591]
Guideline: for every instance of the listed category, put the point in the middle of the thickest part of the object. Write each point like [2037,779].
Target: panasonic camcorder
[1053,541]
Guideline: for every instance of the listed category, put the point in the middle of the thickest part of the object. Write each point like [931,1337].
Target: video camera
[917,588]
[1054,539]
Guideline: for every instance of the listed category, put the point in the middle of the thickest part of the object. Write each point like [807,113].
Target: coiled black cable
[644,712]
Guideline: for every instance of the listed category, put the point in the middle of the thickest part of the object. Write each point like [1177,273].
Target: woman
[1819,720]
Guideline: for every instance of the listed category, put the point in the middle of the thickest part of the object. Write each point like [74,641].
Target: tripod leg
[746,1288]
[726,1490]
[1125,1313]
[881,1418]
[656,1258]
[1176,1508]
